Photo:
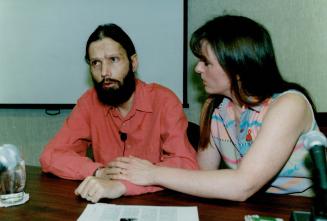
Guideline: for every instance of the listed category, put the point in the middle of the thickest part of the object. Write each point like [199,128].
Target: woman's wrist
[156,175]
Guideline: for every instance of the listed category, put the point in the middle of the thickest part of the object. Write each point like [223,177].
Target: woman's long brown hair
[245,51]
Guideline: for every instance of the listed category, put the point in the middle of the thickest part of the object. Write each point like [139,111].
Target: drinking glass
[12,175]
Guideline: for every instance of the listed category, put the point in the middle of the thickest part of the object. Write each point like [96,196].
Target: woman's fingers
[121,176]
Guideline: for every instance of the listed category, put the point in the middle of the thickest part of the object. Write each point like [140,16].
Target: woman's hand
[135,170]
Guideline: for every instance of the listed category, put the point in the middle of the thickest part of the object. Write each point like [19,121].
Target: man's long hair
[114,32]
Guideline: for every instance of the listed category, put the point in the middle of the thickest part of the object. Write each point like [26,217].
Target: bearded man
[120,116]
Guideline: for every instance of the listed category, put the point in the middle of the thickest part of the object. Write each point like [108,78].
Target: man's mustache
[110,80]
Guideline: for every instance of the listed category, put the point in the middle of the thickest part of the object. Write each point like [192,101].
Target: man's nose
[106,71]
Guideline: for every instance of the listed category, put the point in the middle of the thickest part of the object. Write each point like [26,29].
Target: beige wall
[29,130]
[299,32]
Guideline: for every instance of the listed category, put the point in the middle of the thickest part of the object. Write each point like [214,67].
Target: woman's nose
[198,68]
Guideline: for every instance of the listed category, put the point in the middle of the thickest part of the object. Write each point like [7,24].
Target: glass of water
[12,175]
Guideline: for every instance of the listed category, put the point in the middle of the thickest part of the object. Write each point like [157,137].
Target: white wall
[42,45]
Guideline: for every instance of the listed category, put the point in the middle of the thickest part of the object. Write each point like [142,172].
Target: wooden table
[52,198]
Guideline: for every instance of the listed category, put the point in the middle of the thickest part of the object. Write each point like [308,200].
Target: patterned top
[234,142]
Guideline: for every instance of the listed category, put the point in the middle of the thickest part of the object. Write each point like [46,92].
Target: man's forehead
[106,46]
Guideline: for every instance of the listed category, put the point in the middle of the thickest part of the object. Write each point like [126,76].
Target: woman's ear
[135,62]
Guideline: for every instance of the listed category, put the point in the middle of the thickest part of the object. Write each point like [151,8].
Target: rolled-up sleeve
[65,155]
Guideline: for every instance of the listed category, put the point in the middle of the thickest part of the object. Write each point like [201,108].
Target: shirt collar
[257,108]
[142,99]
[141,102]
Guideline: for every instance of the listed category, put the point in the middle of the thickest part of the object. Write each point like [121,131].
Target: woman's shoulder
[290,98]
[292,106]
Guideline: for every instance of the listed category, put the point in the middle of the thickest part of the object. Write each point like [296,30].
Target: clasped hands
[106,184]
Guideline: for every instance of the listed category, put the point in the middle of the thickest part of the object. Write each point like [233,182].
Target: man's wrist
[96,171]
[123,188]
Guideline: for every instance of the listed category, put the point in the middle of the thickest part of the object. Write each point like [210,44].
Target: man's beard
[116,96]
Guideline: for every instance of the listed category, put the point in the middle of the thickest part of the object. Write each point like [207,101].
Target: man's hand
[94,188]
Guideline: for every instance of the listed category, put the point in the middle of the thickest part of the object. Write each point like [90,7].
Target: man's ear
[135,62]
